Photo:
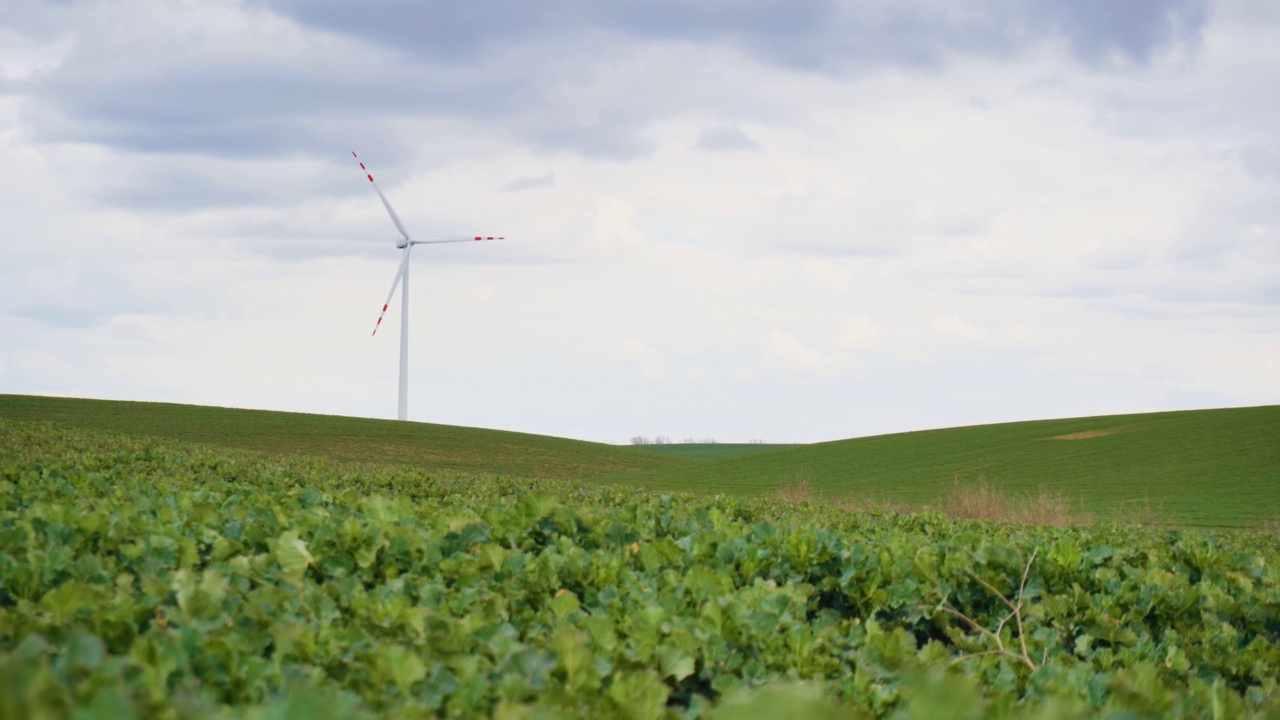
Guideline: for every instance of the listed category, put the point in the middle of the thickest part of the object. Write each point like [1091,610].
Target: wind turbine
[402,278]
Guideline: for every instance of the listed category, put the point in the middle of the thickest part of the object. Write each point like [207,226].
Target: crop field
[437,447]
[1207,468]
[144,577]
[1201,468]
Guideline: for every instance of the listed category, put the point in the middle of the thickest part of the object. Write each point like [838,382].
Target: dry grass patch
[970,501]
[980,501]
[1142,513]
[1271,526]
[1087,434]
[796,491]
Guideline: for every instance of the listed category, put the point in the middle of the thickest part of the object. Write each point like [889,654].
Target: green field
[474,451]
[1201,468]
[148,578]
[1209,468]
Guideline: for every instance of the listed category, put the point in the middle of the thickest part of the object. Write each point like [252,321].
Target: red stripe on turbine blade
[362,167]
[370,178]
[354,155]
[477,238]
[384,309]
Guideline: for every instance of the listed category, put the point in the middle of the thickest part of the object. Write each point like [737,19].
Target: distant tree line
[666,440]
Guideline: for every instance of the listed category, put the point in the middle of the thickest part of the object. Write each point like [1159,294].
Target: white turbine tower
[402,278]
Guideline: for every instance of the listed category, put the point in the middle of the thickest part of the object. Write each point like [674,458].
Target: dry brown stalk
[980,501]
[1015,614]
[1142,513]
[796,491]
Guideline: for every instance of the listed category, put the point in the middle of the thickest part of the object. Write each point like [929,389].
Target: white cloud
[789,359]
[954,326]
[614,226]
[825,273]
[860,332]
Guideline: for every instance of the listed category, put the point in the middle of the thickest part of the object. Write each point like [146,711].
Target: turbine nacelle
[406,243]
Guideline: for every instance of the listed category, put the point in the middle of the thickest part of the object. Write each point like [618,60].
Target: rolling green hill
[440,447]
[1207,468]
[1213,468]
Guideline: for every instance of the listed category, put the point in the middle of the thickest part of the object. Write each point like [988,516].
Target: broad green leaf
[675,663]
[779,700]
[639,696]
[564,603]
[291,552]
[70,599]
[401,666]
[574,657]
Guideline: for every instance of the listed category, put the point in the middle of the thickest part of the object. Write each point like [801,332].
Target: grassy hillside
[1208,468]
[443,447]
[1213,468]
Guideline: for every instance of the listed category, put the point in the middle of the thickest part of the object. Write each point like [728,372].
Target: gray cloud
[725,139]
[803,33]
[1100,32]
[76,295]
[64,317]
[180,192]
[616,137]
[246,110]
[1137,295]
[467,31]
[505,63]
[167,183]
[1230,232]
[530,183]
[1261,161]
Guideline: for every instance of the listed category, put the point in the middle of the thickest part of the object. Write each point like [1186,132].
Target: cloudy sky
[793,220]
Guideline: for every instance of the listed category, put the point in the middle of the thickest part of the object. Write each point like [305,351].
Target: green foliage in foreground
[146,579]
[448,448]
[1206,468]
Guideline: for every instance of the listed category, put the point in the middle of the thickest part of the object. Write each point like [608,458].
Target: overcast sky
[792,220]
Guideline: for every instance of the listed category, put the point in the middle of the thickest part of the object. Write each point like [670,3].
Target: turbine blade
[404,264]
[469,238]
[390,211]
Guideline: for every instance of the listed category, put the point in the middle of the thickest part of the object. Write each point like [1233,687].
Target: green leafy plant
[145,578]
